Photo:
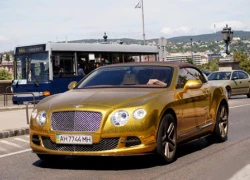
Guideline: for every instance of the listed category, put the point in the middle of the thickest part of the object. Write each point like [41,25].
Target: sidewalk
[13,120]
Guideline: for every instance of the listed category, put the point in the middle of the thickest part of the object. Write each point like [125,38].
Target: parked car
[130,109]
[236,82]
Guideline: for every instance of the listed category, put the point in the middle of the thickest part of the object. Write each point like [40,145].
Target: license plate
[73,139]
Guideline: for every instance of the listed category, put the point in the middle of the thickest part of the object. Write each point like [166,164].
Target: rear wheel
[221,128]
[248,94]
[229,92]
[166,139]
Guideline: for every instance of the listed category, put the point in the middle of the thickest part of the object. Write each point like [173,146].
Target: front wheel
[221,127]
[166,139]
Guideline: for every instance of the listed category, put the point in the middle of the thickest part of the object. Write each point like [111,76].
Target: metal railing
[27,110]
[5,97]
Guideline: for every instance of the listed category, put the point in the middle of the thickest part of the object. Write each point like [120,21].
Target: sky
[27,22]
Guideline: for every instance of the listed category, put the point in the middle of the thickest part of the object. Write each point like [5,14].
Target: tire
[229,92]
[51,158]
[220,133]
[166,139]
[248,94]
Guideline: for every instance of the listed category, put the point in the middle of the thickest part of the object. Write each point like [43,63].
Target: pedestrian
[80,71]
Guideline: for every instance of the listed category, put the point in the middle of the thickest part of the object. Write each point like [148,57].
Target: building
[7,65]
[198,58]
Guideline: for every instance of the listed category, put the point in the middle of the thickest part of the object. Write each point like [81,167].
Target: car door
[195,111]
[244,82]
[240,84]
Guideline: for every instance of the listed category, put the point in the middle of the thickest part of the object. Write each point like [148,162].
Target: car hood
[100,98]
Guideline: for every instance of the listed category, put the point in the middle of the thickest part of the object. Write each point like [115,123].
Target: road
[196,160]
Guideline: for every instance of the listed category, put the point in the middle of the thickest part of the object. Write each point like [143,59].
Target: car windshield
[32,67]
[219,76]
[128,76]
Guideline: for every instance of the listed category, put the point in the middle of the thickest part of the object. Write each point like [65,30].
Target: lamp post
[192,49]
[105,37]
[227,34]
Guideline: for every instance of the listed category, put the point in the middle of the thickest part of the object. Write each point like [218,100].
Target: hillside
[203,37]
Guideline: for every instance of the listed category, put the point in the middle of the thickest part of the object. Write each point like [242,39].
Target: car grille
[104,144]
[76,121]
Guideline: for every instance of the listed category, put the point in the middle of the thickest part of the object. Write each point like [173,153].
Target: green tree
[7,58]
[190,60]
[210,66]
[5,75]
[243,59]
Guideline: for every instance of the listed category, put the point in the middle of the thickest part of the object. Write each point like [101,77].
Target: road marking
[243,174]
[18,152]
[239,106]
[19,139]
[9,143]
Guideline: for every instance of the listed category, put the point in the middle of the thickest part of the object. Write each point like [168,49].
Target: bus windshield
[32,68]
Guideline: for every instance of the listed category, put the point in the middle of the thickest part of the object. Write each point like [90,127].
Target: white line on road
[18,152]
[9,143]
[19,139]
[239,106]
[243,174]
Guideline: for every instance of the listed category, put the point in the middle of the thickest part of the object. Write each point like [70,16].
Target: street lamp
[105,37]
[192,49]
[227,34]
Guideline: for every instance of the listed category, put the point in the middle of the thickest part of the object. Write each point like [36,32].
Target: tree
[5,75]
[190,60]
[210,66]
[243,59]
[7,58]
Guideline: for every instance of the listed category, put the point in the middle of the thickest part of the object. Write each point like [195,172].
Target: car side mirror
[190,84]
[72,85]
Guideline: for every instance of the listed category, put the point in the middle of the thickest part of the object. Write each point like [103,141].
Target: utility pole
[143,28]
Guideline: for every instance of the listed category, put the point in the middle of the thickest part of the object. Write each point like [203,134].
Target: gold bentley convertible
[130,109]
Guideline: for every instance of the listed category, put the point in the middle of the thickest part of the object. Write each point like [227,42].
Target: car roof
[158,63]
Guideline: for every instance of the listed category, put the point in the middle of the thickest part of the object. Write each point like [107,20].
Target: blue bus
[45,69]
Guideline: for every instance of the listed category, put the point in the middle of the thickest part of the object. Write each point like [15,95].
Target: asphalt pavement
[13,119]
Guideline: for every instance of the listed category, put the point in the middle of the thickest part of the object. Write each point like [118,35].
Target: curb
[7,108]
[13,132]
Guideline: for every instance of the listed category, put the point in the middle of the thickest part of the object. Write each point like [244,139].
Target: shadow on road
[121,163]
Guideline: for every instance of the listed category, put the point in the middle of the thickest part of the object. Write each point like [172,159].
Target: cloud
[235,25]
[184,30]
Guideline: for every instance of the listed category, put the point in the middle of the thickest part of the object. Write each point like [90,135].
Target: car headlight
[139,114]
[34,113]
[41,118]
[120,118]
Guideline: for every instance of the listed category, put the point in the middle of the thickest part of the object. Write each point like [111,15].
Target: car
[130,109]
[236,82]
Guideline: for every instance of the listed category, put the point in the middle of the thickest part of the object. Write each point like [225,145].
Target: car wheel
[221,127]
[166,139]
[50,158]
[248,94]
[229,92]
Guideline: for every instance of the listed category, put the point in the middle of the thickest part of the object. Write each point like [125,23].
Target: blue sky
[25,22]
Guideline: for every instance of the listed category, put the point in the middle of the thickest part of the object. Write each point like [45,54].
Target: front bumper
[106,146]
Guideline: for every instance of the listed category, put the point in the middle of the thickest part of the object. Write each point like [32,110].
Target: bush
[5,75]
